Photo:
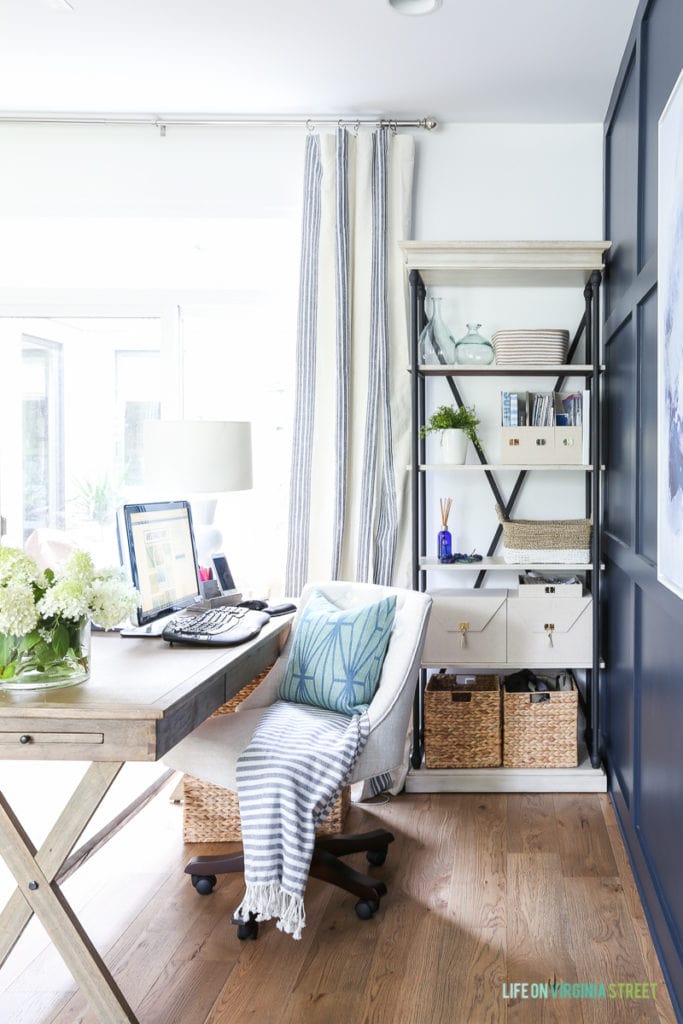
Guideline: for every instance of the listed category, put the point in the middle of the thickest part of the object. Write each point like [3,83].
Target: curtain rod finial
[430,123]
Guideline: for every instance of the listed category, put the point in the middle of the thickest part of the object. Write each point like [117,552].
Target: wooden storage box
[550,631]
[211,814]
[540,729]
[462,721]
[466,627]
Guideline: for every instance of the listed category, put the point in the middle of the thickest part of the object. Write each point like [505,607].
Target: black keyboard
[224,627]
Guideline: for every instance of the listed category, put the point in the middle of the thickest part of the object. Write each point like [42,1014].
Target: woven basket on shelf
[557,534]
[540,729]
[462,727]
[211,814]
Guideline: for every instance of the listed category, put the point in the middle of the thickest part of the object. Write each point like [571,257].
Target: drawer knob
[33,886]
[24,739]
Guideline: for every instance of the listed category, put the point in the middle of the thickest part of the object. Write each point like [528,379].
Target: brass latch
[513,442]
[549,627]
[462,629]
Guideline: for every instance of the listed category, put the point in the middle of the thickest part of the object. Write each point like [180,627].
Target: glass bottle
[445,544]
[473,349]
[436,344]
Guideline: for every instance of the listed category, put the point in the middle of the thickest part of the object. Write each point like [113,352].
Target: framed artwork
[670,345]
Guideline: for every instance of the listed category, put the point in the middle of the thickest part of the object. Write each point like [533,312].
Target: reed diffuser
[444,540]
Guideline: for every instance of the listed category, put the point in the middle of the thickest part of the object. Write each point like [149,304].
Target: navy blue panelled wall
[642,691]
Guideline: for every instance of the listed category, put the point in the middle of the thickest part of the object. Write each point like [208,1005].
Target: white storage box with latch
[550,631]
[466,627]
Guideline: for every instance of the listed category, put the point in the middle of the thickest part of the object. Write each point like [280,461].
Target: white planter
[451,446]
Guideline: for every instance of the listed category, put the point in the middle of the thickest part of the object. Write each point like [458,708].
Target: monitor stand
[152,629]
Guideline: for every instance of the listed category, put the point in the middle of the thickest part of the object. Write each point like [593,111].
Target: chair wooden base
[325,865]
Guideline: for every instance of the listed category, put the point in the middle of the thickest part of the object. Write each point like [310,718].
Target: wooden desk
[142,698]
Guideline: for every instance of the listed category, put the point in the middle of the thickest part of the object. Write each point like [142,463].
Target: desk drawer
[41,739]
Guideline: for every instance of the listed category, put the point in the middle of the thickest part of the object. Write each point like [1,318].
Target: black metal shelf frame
[589,326]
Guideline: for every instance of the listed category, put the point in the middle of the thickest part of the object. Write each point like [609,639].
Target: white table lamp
[186,457]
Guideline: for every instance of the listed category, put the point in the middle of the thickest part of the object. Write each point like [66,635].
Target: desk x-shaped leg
[38,893]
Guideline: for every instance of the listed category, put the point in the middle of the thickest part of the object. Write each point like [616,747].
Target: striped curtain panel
[351,445]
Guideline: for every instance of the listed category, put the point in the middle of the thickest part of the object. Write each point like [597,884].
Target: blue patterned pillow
[337,654]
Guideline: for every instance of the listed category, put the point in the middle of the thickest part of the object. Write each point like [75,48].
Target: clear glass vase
[57,657]
[436,344]
[473,349]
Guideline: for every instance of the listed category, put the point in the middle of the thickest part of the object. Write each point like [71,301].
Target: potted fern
[454,427]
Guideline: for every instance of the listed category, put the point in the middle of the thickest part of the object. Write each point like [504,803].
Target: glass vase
[435,344]
[445,544]
[473,349]
[55,654]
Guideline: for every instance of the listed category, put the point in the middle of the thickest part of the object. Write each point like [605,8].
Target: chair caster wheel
[365,909]
[204,884]
[247,929]
[377,857]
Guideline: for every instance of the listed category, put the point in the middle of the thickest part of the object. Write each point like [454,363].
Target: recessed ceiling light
[415,6]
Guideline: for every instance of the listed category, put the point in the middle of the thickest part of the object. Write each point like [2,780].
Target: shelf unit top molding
[554,263]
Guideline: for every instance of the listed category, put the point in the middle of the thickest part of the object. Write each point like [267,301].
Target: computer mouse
[255,605]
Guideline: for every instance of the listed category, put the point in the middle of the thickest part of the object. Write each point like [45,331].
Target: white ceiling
[473,60]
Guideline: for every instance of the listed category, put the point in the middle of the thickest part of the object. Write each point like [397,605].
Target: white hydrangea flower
[111,600]
[68,597]
[18,613]
[16,567]
[79,568]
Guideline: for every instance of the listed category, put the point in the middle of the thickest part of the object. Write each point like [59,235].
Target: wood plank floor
[486,892]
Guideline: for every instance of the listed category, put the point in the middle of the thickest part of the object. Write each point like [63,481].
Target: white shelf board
[458,370]
[582,779]
[496,563]
[499,467]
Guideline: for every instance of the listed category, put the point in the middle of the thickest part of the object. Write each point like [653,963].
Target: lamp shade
[193,456]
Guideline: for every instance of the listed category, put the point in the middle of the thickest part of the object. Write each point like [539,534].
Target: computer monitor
[156,544]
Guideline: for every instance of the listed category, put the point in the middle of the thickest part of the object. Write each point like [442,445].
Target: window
[42,433]
[212,337]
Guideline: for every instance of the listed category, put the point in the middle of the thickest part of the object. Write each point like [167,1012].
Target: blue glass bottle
[445,543]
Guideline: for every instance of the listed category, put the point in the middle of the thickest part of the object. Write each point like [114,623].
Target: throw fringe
[268,900]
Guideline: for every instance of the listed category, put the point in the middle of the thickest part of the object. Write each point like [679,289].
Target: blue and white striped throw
[288,778]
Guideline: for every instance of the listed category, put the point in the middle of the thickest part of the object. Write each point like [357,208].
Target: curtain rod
[163,121]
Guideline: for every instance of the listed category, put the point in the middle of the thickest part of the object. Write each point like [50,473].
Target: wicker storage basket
[540,729]
[462,722]
[560,540]
[211,814]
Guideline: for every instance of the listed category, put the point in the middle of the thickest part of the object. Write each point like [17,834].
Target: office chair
[211,751]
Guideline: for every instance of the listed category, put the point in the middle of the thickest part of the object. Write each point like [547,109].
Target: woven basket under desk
[540,729]
[462,722]
[211,814]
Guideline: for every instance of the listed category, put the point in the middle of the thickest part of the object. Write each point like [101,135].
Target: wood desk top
[143,697]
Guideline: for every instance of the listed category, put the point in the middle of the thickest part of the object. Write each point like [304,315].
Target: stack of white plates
[530,347]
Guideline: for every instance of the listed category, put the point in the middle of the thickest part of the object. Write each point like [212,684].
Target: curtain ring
[394,127]
[356,128]
[310,125]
